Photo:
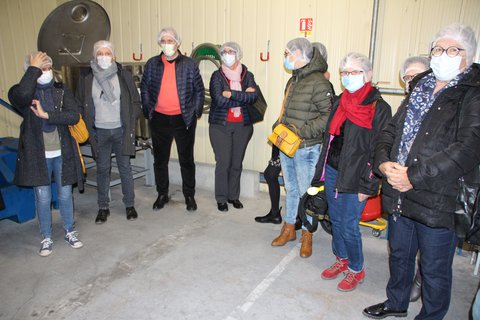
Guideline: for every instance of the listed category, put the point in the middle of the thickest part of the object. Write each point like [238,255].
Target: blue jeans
[345,211]
[297,176]
[108,141]
[437,249]
[43,200]
[476,306]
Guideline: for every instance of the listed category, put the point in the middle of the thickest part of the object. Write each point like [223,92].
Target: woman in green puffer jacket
[307,104]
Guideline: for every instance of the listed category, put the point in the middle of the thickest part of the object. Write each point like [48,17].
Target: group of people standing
[350,144]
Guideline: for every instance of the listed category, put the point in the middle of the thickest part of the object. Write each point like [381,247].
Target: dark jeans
[437,249]
[108,141]
[164,129]
[229,144]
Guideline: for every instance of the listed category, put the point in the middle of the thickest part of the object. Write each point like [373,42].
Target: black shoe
[222,206]
[236,204]
[380,311]
[298,223]
[191,204]
[132,213]
[102,216]
[271,217]
[416,290]
[160,202]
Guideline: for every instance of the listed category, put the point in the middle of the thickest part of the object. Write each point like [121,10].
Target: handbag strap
[283,103]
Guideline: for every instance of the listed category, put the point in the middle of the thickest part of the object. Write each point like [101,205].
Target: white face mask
[168,49]
[104,61]
[445,68]
[228,59]
[46,77]
[353,82]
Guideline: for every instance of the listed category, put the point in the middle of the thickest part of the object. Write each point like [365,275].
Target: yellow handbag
[285,139]
[79,131]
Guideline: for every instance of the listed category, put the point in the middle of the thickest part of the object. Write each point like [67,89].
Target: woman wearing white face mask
[46,148]
[232,88]
[110,107]
[346,160]
[432,141]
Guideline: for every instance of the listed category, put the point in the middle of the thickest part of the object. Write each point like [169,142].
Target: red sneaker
[338,267]
[351,280]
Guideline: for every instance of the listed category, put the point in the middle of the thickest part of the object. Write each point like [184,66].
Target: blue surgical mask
[289,65]
[353,82]
[228,59]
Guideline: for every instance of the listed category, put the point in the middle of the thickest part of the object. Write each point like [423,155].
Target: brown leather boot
[287,234]
[306,249]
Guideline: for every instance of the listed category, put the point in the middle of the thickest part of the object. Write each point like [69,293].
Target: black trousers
[271,173]
[164,129]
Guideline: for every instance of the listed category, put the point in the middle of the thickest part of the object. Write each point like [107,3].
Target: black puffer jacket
[130,108]
[191,91]
[220,105]
[355,163]
[309,100]
[439,155]
[31,170]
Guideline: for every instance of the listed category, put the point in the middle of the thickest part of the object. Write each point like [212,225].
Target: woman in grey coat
[111,106]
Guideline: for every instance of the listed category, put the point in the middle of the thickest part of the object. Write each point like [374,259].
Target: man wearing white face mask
[232,88]
[432,141]
[111,105]
[172,98]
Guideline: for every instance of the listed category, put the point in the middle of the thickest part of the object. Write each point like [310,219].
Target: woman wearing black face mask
[46,147]
[433,140]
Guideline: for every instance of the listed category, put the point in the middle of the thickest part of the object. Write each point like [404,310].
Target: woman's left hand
[250,89]
[227,94]
[398,178]
[362,197]
[36,107]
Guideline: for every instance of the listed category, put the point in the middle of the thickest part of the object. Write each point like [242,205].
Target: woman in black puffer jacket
[232,88]
[432,141]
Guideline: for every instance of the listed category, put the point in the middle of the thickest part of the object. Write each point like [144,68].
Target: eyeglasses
[451,51]
[287,53]
[353,73]
[224,52]
[408,78]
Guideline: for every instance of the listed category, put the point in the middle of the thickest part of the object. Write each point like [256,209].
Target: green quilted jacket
[309,101]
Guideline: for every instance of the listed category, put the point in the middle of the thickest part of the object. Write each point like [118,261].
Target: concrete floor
[172,264]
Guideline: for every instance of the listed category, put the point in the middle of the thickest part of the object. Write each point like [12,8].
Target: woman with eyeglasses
[345,165]
[232,88]
[432,141]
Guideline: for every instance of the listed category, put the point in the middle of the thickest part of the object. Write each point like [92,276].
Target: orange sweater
[167,101]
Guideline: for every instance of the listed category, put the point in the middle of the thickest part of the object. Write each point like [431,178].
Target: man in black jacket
[172,116]
[432,141]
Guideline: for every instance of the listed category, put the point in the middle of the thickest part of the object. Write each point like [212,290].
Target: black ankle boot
[298,223]
[416,290]
[271,217]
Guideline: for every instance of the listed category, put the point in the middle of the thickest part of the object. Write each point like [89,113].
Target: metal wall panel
[405,28]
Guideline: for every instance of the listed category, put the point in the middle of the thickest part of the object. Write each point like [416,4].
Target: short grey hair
[303,45]
[321,48]
[461,33]
[235,47]
[358,58]
[171,32]
[424,61]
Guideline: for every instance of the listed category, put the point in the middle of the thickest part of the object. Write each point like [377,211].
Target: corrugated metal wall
[405,28]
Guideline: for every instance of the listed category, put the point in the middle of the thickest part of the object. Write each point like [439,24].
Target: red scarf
[350,108]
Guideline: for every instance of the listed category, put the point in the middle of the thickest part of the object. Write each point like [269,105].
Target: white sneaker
[46,248]
[71,238]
